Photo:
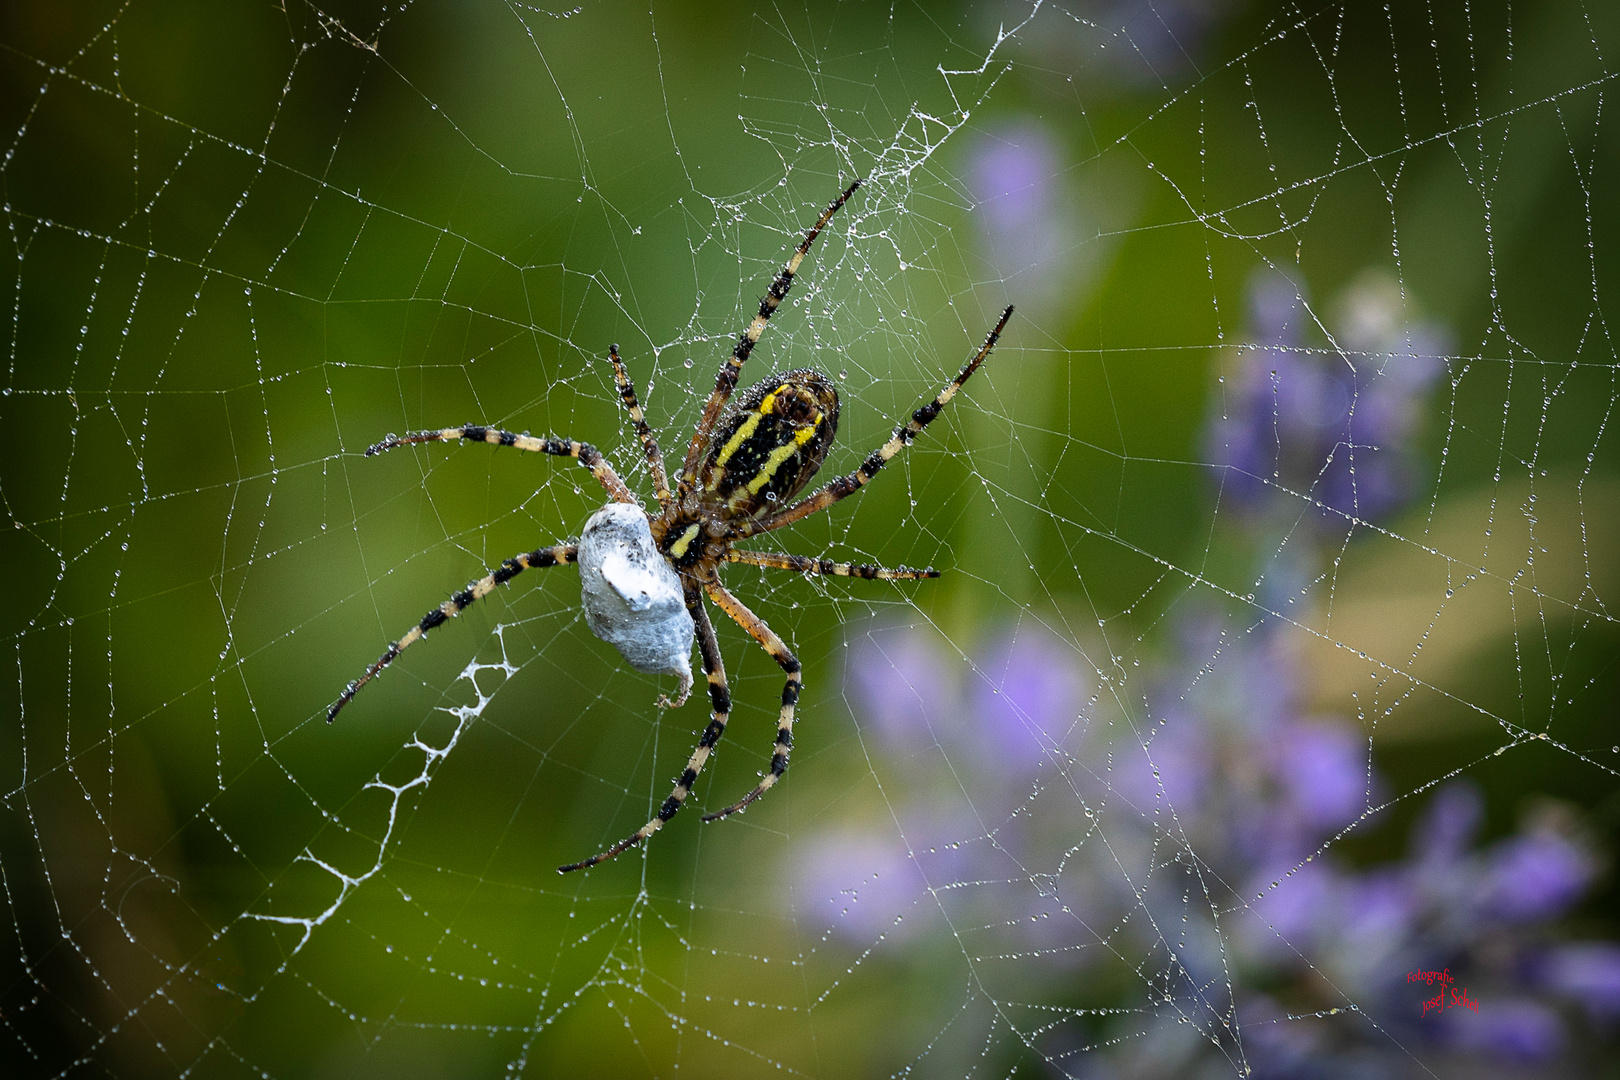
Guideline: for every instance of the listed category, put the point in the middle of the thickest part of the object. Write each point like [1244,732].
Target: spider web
[1273,663]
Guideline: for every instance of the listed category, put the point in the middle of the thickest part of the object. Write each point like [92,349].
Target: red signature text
[1454,998]
[1443,977]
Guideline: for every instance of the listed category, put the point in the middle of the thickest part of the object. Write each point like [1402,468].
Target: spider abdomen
[770,442]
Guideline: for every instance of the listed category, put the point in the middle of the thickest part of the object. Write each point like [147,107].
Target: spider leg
[848,485]
[726,381]
[557,555]
[790,691]
[823,567]
[588,455]
[638,420]
[719,701]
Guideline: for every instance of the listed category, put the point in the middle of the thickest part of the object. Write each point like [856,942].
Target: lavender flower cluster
[1333,420]
[1194,860]
[1166,870]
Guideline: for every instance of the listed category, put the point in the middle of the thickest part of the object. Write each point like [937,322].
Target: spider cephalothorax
[747,462]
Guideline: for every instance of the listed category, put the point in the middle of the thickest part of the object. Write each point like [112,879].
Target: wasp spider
[746,459]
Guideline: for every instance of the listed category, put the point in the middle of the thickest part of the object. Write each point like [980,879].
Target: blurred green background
[246,241]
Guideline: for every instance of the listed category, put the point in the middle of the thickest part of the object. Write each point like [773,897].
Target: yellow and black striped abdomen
[770,442]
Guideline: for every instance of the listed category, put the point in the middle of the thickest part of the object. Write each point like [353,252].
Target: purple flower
[1333,425]
[1246,688]
[1028,701]
[855,885]
[1037,834]
[900,686]
[1521,1029]
[1324,771]
[1535,875]
[1589,972]
[1274,1042]
[1029,223]
[1377,919]
[1288,918]
[1010,176]
[1278,312]
[1395,383]
[1173,774]
[1180,754]
[1449,823]
[863,884]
